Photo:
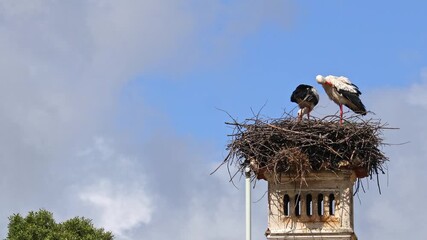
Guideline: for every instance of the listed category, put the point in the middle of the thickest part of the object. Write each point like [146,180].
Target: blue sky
[110,110]
[379,45]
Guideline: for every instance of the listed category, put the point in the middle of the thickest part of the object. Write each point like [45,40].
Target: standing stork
[306,97]
[342,92]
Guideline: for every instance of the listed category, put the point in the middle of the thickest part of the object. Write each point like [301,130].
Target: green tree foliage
[41,226]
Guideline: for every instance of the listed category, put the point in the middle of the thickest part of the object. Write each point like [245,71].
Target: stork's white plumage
[342,92]
[306,97]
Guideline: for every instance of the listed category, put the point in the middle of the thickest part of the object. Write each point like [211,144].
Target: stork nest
[278,146]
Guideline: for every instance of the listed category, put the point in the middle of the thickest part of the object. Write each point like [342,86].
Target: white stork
[306,97]
[342,92]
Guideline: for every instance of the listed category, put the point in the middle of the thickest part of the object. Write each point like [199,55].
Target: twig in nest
[284,145]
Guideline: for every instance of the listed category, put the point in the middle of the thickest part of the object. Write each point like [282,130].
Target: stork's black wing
[304,92]
[354,102]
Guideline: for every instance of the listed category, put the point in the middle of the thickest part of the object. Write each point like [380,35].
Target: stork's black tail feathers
[356,104]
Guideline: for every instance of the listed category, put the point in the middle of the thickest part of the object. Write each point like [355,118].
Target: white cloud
[220,214]
[398,213]
[110,187]
[120,206]
[417,93]
[63,64]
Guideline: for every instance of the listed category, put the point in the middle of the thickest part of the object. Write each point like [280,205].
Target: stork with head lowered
[306,97]
[343,92]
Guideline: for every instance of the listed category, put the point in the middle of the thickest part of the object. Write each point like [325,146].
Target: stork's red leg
[341,113]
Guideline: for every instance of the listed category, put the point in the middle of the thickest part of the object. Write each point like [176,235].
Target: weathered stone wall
[318,207]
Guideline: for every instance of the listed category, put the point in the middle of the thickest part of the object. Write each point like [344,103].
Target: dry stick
[223,162]
[261,140]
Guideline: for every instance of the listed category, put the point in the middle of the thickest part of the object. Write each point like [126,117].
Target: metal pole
[248,202]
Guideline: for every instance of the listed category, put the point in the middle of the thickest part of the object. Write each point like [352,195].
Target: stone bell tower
[311,167]
[319,208]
